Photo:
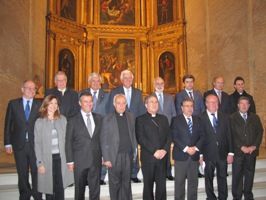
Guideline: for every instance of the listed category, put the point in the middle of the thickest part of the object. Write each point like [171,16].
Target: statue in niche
[66,64]
[167,69]
[117,12]
[68,9]
[165,11]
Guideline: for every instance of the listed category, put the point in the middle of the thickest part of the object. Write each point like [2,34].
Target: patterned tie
[94,101]
[161,101]
[189,123]
[214,122]
[220,96]
[89,124]
[27,110]
[190,95]
[128,98]
[245,117]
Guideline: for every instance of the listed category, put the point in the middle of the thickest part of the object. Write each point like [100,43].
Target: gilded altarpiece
[103,41]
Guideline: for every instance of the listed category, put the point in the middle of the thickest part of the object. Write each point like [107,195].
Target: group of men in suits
[103,131]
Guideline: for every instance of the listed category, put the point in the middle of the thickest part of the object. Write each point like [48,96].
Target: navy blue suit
[136,104]
[198,101]
[186,166]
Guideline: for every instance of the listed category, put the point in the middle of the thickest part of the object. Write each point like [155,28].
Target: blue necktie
[94,100]
[245,117]
[189,123]
[161,101]
[214,122]
[128,98]
[27,110]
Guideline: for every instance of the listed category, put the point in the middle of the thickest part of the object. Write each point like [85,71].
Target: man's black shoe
[170,178]
[200,175]
[136,180]
[102,182]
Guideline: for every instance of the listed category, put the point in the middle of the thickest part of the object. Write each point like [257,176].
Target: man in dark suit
[188,138]
[154,136]
[225,102]
[134,105]
[247,132]
[118,142]
[68,98]
[167,108]
[189,92]
[100,104]
[20,118]
[218,147]
[83,150]
[239,84]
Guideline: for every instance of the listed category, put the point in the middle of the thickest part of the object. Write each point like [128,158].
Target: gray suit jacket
[102,102]
[198,102]
[43,145]
[136,105]
[110,136]
[168,107]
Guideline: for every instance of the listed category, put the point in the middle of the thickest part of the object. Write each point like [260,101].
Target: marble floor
[9,190]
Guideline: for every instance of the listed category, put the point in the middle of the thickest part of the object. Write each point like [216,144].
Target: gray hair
[119,95]
[94,74]
[125,72]
[59,73]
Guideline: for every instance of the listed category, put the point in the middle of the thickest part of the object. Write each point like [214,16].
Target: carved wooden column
[144,68]
[50,59]
[143,13]
[180,10]
[88,64]
[182,55]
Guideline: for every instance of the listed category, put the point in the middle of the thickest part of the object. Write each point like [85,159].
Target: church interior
[206,38]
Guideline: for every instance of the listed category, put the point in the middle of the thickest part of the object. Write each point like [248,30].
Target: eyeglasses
[31,89]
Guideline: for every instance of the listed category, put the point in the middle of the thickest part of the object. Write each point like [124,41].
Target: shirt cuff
[185,149]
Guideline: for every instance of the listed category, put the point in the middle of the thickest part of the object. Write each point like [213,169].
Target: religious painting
[115,56]
[67,64]
[117,12]
[167,69]
[68,9]
[164,11]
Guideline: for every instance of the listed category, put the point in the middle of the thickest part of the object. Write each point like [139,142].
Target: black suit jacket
[219,143]
[226,105]
[81,149]
[16,125]
[247,133]
[68,104]
[152,138]
[136,104]
[235,96]
[183,138]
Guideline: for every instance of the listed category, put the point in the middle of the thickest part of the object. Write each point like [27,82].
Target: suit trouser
[187,169]
[58,192]
[119,177]
[169,166]
[154,172]
[90,175]
[221,169]
[103,172]
[243,169]
[135,167]
[26,158]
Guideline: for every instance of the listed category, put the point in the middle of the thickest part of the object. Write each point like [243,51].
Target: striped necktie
[189,123]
